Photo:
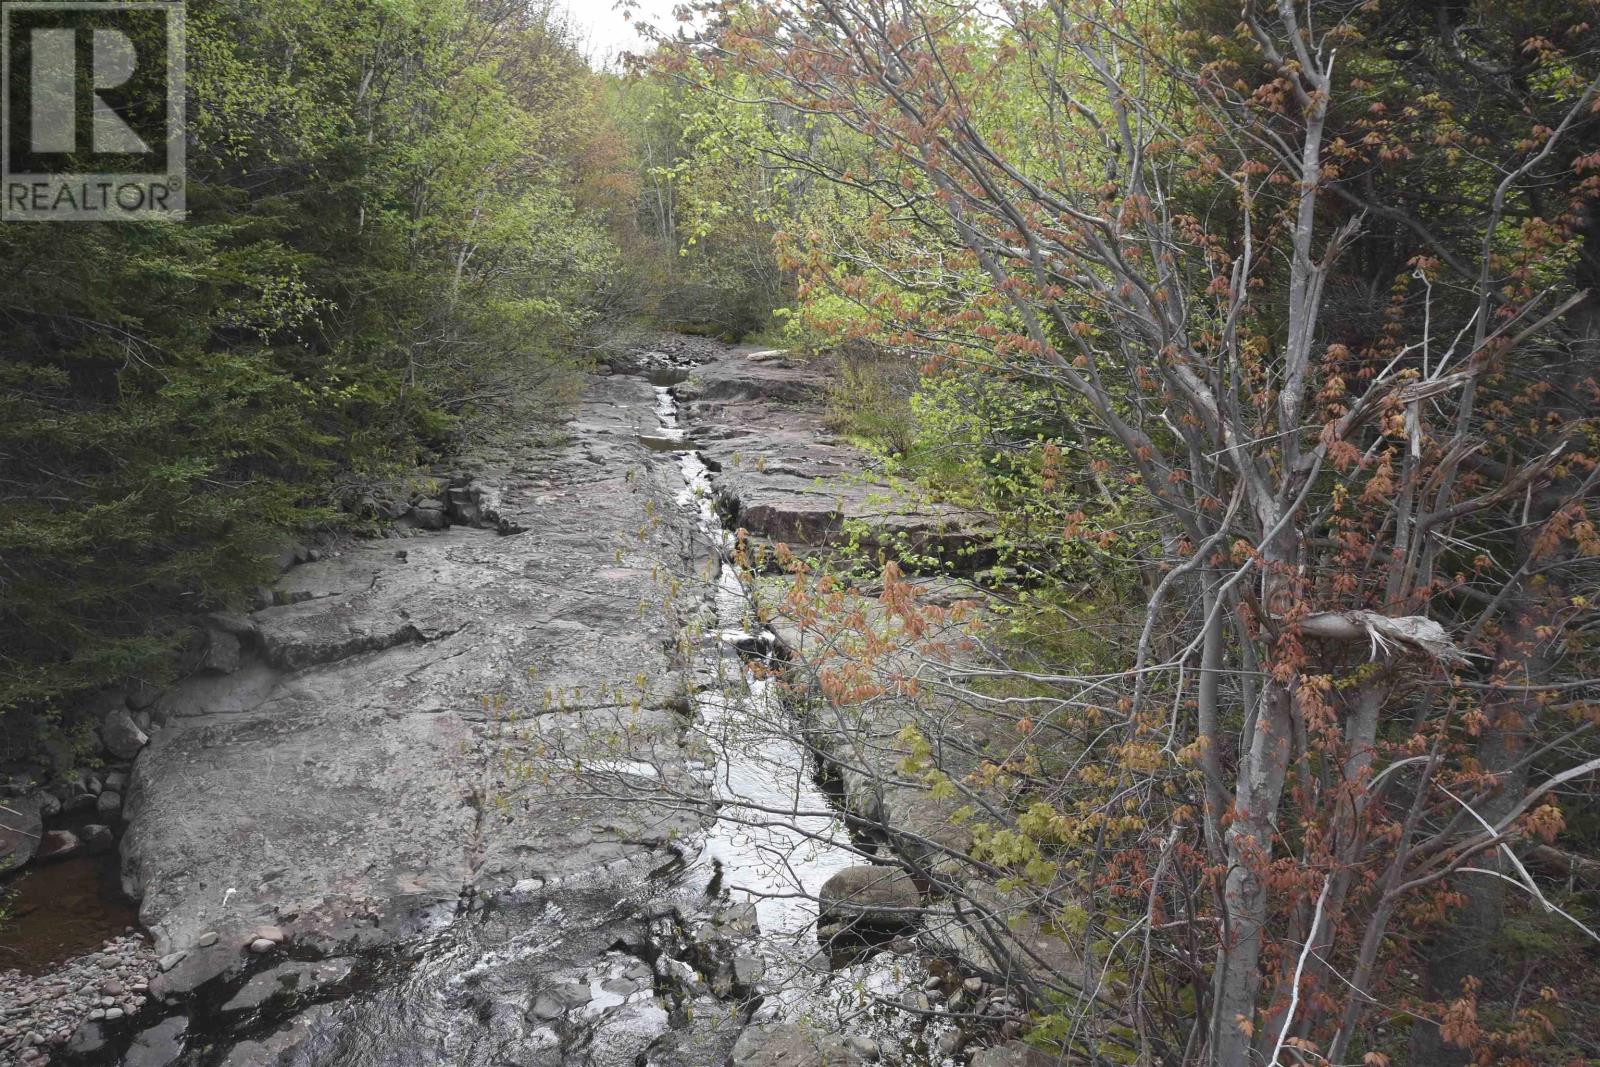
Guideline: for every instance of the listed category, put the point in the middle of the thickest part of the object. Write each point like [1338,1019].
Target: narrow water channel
[778,837]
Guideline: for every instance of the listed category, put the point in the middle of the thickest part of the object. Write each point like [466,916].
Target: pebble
[274,934]
[973,985]
[208,939]
[262,945]
[40,1013]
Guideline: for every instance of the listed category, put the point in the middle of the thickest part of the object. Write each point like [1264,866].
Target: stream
[619,957]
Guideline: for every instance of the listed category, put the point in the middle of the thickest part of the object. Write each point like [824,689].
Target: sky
[609,32]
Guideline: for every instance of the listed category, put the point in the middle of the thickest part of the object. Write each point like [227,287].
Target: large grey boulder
[792,1045]
[871,896]
[121,735]
[21,830]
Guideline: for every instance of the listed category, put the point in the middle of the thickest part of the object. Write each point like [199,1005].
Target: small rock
[261,946]
[172,959]
[950,1043]
[116,780]
[113,1014]
[208,939]
[275,934]
[866,1048]
[546,1008]
[973,985]
[109,803]
[121,735]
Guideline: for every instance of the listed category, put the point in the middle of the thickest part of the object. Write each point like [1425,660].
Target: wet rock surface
[451,800]
[367,762]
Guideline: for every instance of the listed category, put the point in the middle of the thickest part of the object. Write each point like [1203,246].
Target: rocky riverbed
[502,790]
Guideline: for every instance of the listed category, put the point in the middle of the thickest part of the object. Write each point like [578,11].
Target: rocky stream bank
[503,790]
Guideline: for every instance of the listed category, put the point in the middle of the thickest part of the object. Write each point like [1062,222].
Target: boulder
[239,626]
[792,1045]
[121,735]
[89,1039]
[430,514]
[57,845]
[97,838]
[1015,1054]
[871,896]
[21,829]
[222,652]
[159,1046]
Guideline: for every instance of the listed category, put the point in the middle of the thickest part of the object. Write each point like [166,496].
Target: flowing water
[778,838]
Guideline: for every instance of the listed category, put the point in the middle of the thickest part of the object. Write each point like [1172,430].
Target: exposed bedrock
[757,418]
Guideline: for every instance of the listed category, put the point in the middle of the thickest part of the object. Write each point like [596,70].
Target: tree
[384,255]
[1381,518]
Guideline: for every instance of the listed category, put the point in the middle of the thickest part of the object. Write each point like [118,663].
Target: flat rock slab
[759,424]
[404,725]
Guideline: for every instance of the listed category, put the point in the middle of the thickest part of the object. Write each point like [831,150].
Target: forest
[1260,341]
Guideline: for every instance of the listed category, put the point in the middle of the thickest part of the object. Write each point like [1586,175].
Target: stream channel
[621,967]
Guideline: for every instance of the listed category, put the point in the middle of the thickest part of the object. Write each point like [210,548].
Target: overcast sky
[609,32]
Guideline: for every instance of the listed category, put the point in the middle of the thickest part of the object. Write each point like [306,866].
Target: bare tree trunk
[1246,896]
